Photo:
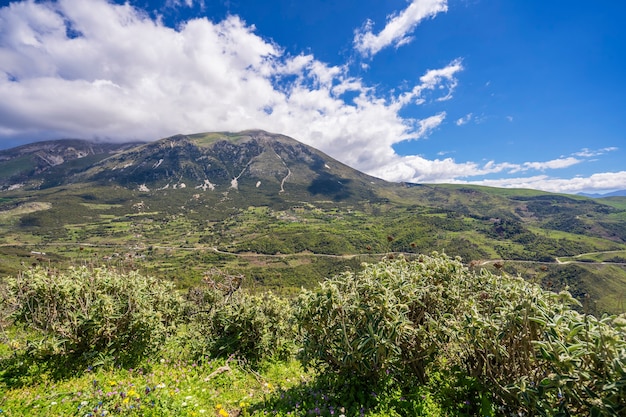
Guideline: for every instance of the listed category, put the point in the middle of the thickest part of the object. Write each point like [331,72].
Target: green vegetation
[284,215]
[241,274]
[425,337]
[254,327]
[286,246]
[87,312]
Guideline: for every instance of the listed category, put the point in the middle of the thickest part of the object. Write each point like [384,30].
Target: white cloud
[430,123]
[542,166]
[434,79]
[414,168]
[464,120]
[126,76]
[599,182]
[590,153]
[417,169]
[188,3]
[398,28]
[97,70]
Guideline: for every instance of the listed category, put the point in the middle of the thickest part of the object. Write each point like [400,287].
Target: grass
[22,209]
[611,256]
[17,166]
[172,384]
[617,202]
[179,378]
[211,387]
[160,387]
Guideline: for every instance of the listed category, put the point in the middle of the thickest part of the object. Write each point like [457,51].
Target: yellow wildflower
[223,412]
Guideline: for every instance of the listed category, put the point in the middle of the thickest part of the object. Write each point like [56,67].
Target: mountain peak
[254,160]
[256,163]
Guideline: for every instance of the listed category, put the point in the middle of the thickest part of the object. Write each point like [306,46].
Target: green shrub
[251,327]
[355,325]
[501,341]
[380,321]
[83,313]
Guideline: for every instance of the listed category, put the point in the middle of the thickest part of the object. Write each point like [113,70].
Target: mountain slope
[34,164]
[254,162]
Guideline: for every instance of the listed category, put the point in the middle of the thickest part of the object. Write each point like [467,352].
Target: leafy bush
[503,340]
[251,327]
[376,323]
[85,312]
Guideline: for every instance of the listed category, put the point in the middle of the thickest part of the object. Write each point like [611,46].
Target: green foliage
[506,342]
[250,327]
[84,313]
[377,322]
[176,233]
[400,338]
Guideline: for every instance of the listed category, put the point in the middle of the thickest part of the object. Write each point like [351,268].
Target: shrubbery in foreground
[86,314]
[425,337]
[506,343]
[252,327]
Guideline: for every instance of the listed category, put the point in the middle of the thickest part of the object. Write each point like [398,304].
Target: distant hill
[619,193]
[286,215]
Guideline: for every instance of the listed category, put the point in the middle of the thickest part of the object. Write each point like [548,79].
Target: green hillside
[286,216]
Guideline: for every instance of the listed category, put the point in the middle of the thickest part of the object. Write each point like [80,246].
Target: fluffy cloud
[398,28]
[553,164]
[97,70]
[600,182]
[414,168]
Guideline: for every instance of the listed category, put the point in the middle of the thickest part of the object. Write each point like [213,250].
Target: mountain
[286,215]
[37,163]
[618,193]
[255,163]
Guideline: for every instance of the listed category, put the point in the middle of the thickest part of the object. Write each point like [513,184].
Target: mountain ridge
[618,193]
[33,162]
[225,161]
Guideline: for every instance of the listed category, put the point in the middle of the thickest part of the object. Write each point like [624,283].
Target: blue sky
[501,93]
